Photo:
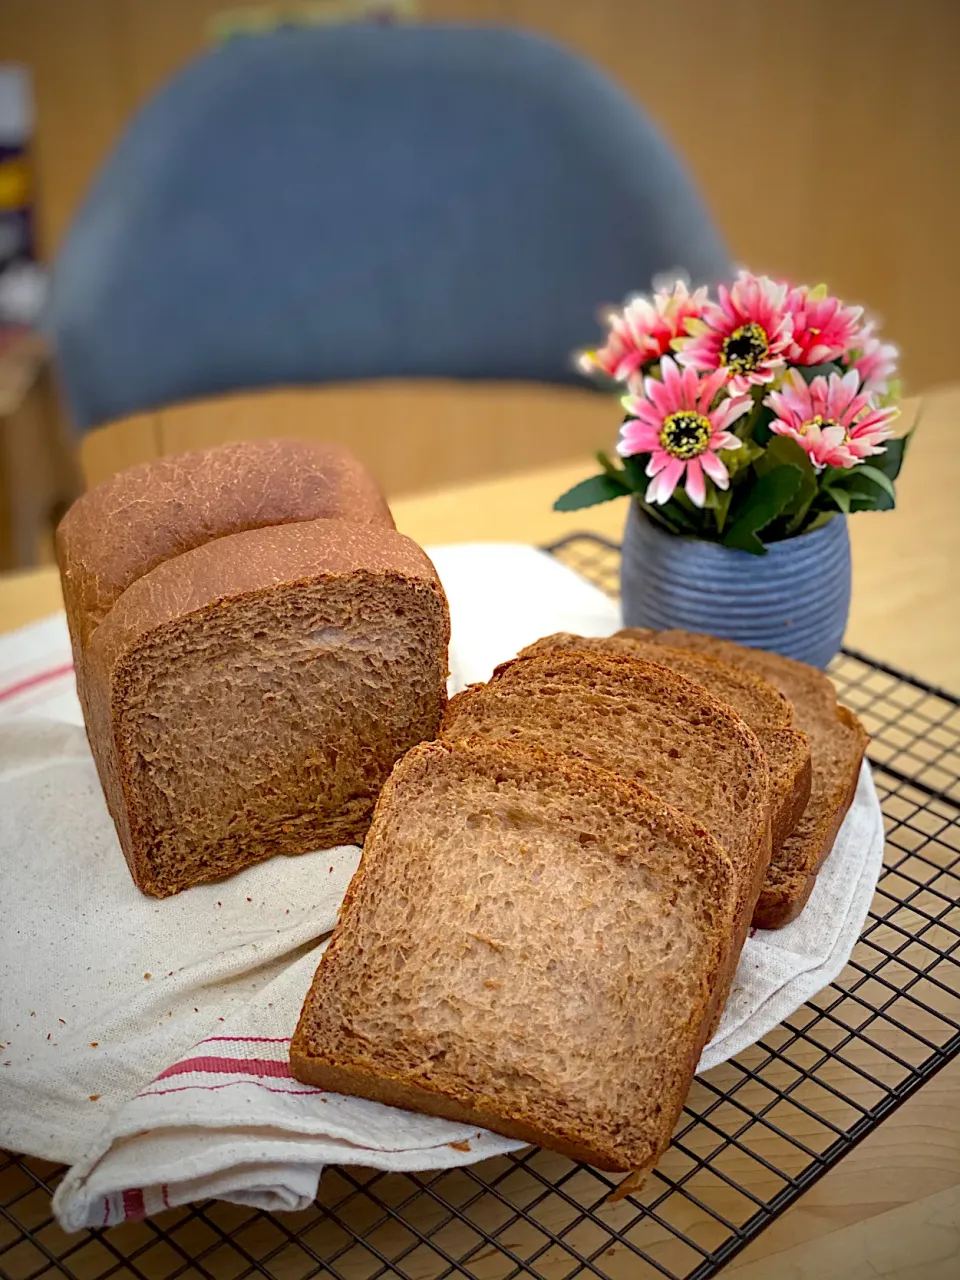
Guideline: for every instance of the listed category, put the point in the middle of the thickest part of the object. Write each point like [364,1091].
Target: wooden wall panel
[825,138]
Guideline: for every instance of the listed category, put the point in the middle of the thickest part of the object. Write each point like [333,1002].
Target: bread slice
[837,740]
[764,708]
[530,945]
[647,724]
[250,697]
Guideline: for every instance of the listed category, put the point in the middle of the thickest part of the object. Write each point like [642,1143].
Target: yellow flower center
[818,421]
[743,349]
[685,434]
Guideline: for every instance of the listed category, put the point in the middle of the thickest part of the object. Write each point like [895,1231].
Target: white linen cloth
[145,1043]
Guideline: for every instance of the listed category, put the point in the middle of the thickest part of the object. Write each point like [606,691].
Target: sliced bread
[647,724]
[837,740]
[530,945]
[250,697]
[765,709]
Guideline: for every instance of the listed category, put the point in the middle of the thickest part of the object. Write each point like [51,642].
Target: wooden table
[892,1208]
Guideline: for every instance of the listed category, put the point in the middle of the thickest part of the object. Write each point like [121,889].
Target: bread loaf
[530,945]
[248,696]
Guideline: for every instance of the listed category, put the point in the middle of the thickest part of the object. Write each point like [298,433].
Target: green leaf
[663,516]
[891,460]
[687,512]
[875,500]
[737,460]
[724,499]
[841,497]
[718,501]
[867,472]
[588,493]
[833,475]
[672,514]
[810,371]
[866,496]
[784,451]
[636,475]
[767,500]
[860,488]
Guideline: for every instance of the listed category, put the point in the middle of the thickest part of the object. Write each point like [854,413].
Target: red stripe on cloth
[134,1210]
[30,682]
[230,1066]
[163,1192]
[248,1039]
[210,1088]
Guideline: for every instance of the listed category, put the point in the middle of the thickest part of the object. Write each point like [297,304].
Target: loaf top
[148,514]
[760,704]
[837,738]
[255,562]
[812,693]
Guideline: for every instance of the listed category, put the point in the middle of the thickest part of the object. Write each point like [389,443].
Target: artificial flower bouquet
[749,419]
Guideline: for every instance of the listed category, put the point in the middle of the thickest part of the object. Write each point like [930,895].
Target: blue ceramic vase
[794,600]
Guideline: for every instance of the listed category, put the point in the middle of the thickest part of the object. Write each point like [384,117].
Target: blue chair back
[360,202]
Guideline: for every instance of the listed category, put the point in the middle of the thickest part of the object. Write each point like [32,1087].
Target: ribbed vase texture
[794,600]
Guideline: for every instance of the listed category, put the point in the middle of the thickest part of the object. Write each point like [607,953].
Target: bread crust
[780,905]
[794,793]
[777,710]
[363,1083]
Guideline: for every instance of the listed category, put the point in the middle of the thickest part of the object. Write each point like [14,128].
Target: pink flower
[643,331]
[876,363]
[747,333]
[676,424]
[833,420]
[823,328]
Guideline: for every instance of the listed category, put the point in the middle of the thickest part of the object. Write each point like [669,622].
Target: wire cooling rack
[755,1134]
